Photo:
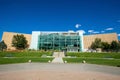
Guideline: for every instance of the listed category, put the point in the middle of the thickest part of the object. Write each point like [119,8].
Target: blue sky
[25,16]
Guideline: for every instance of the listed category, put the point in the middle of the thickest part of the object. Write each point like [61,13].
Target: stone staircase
[58,57]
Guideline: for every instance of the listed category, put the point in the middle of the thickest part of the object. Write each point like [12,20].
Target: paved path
[58,57]
[48,71]
[61,67]
[57,60]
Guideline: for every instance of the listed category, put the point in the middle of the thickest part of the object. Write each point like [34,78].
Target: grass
[8,57]
[100,61]
[95,55]
[24,54]
[23,60]
[112,59]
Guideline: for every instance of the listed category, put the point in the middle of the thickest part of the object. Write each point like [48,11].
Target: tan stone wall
[7,37]
[88,39]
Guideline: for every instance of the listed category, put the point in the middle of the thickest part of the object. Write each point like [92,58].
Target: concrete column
[34,41]
[81,32]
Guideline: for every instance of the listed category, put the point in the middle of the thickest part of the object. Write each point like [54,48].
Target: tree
[19,42]
[105,46]
[96,44]
[115,46]
[3,45]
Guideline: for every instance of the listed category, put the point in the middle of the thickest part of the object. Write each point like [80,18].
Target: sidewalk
[58,57]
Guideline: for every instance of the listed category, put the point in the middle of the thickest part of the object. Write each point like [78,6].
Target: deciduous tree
[115,46]
[96,44]
[19,42]
[105,46]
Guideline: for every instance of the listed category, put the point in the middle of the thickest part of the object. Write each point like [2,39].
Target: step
[58,60]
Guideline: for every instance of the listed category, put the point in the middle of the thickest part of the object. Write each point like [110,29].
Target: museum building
[63,41]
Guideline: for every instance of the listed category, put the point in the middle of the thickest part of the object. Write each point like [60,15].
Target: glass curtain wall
[56,41]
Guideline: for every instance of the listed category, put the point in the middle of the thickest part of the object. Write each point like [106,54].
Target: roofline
[15,32]
[100,34]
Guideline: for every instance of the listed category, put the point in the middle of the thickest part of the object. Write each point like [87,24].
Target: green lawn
[95,55]
[24,54]
[23,57]
[23,60]
[112,59]
[100,61]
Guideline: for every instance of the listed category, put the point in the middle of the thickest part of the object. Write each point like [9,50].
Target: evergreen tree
[3,45]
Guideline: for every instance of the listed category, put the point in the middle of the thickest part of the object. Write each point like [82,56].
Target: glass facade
[62,41]
[57,41]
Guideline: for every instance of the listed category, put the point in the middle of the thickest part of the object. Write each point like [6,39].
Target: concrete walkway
[60,67]
[47,71]
[58,57]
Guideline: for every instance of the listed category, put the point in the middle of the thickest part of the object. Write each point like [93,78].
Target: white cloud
[96,32]
[90,31]
[118,34]
[109,29]
[77,25]
[81,31]
[102,31]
